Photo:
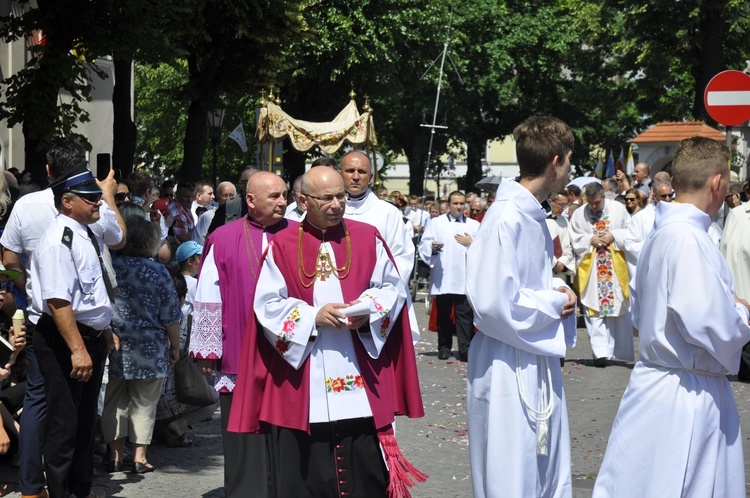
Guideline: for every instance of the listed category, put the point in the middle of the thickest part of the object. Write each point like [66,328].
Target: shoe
[600,362]
[442,355]
[99,493]
[43,494]
[179,441]
[464,358]
[142,468]
[114,466]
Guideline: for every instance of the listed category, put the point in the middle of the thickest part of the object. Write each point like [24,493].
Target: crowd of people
[294,303]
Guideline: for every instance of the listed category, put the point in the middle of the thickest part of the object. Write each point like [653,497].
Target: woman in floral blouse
[146,318]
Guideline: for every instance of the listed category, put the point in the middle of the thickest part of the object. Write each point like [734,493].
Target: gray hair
[144,238]
[593,189]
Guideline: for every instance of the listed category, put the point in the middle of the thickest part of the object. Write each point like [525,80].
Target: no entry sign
[727,97]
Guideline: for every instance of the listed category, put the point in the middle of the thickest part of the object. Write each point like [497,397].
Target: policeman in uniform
[72,288]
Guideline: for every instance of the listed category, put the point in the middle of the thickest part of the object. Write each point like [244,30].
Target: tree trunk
[123,130]
[194,144]
[416,169]
[473,163]
[712,55]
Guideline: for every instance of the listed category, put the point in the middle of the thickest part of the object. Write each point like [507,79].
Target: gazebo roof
[676,131]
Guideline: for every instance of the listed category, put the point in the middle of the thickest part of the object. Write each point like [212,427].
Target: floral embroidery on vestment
[287,331]
[344,384]
[605,272]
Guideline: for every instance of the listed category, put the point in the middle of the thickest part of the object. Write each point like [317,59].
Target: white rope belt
[541,414]
[688,370]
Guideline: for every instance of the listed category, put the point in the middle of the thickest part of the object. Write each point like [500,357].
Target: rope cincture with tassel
[399,467]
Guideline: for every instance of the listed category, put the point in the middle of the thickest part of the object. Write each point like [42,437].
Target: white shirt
[72,274]
[29,220]
[202,226]
[195,206]
[448,274]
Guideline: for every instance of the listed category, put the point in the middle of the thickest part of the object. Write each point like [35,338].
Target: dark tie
[200,210]
[105,273]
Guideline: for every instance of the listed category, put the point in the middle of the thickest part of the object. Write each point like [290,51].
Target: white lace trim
[205,339]
[224,381]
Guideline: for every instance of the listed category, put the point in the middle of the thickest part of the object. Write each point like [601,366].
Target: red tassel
[399,467]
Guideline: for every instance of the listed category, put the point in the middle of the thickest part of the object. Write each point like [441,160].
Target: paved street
[437,444]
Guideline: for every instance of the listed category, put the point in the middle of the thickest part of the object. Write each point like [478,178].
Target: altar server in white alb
[443,247]
[677,432]
[596,232]
[518,424]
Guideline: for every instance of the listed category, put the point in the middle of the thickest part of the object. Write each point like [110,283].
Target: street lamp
[215,118]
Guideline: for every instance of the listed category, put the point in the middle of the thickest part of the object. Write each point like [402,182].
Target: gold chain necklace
[249,243]
[340,273]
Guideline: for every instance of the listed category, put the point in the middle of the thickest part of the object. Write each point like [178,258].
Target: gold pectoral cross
[324,266]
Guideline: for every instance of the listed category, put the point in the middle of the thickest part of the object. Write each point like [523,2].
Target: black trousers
[336,459]
[464,323]
[71,410]
[248,459]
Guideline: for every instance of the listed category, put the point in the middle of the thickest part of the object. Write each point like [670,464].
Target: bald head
[356,172]
[266,198]
[661,176]
[323,196]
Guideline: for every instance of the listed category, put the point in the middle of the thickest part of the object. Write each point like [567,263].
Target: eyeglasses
[327,199]
[122,196]
[631,199]
[561,204]
[91,198]
[665,196]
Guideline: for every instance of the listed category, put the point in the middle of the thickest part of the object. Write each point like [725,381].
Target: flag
[620,161]
[629,165]
[238,135]
[599,169]
[609,170]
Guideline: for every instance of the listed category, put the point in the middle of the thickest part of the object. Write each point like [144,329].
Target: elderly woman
[147,319]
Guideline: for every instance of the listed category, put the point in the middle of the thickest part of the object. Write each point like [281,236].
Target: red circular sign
[727,98]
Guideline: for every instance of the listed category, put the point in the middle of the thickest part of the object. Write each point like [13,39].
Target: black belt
[87,333]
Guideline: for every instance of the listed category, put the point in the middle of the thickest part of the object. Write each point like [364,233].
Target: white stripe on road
[728,98]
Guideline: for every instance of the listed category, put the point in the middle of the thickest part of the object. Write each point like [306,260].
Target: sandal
[142,468]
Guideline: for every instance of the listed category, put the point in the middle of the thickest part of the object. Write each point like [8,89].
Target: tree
[236,47]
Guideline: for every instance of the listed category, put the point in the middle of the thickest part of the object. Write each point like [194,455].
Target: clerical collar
[253,223]
[357,198]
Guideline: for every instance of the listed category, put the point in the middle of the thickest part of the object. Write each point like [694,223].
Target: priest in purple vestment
[223,302]
[330,302]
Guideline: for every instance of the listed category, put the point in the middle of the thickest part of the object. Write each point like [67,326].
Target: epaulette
[67,238]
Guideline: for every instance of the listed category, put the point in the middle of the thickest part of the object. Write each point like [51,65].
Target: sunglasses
[630,199]
[122,196]
[92,197]
[6,286]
